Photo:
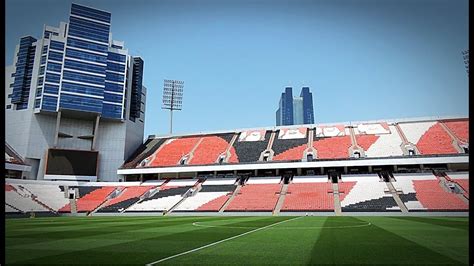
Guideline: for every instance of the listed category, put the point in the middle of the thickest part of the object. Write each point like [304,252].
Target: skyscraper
[295,110]
[75,88]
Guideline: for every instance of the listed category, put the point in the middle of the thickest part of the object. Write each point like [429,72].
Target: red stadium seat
[256,197]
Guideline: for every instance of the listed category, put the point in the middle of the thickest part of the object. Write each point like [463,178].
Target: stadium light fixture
[465,55]
[172,97]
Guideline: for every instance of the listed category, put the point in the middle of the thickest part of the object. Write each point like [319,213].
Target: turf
[286,240]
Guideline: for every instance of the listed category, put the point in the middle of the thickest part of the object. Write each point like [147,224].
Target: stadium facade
[295,110]
[75,88]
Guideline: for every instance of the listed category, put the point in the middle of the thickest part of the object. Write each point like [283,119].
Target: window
[114,77]
[55,67]
[83,66]
[87,45]
[116,57]
[9,106]
[54,78]
[57,45]
[55,56]
[83,77]
[86,56]
[82,88]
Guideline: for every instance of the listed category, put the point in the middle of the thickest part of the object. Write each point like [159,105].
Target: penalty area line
[221,241]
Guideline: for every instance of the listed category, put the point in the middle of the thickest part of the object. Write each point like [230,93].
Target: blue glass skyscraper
[295,110]
[75,88]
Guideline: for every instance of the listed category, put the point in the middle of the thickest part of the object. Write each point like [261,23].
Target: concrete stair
[337,201]
[229,200]
[396,197]
[281,199]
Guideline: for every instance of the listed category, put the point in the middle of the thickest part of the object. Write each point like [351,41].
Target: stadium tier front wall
[455,160]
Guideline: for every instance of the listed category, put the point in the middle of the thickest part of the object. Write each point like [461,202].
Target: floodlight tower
[465,55]
[172,97]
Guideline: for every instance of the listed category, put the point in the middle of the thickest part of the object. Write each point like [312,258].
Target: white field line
[221,241]
[289,228]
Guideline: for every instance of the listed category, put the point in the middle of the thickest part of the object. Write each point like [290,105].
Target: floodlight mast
[172,97]
[465,54]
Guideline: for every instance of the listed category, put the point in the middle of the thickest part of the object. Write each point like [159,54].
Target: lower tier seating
[90,201]
[404,183]
[255,197]
[23,202]
[128,197]
[205,196]
[368,195]
[434,198]
[166,198]
[50,195]
[309,197]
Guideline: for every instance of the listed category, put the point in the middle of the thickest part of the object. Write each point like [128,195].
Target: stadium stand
[128,197]
[259,194]
[366,141]
[18,198]
[210,148]
[436,140]
[333,147]
[289,149]
[309,194]
[404,184]
[249,151]
[211,197]
[367,195]
[90,198]
[50,195]
[434,198]
[172,151]
[168,196]
[462,179]
[386,145]
[460,129]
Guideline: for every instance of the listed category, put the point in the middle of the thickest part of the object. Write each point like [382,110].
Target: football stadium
[85,185]
[296,195]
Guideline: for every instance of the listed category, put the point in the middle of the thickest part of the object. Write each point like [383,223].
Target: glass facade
[137,80]
[23,72]
[80,68]
[295,110]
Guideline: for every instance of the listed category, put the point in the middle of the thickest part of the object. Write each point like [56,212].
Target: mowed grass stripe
[449,238]
[221,241]
[140,240]
[158,242]
[75,240]
[286,243]
[370,245]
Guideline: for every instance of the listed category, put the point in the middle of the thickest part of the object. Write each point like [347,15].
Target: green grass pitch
[237,240]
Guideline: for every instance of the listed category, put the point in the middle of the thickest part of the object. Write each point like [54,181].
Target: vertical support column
[299,171]
[277,172]
[56,132]
[370,168]
[96,132]
[256,172]
[345,170]
[141,178]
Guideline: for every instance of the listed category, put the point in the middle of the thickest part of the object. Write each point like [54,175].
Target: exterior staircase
[281,199]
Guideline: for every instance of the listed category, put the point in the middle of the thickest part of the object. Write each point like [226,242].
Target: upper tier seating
[366,141]
[436,141]
[409,196]
[288,149]
[309,196]
[128,197]
[460,129]
[22,200]
[386,145]
[207,194]
[255,197]
[367,195]
[166,198]
[249,151]
[414,131]
[434,198]
[51,195]
[210,148]
[172,151]
[333,147]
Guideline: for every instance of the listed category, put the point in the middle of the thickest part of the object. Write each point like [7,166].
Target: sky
[362,59]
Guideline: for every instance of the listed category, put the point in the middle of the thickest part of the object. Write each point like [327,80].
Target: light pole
[465,55]
[172,97]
